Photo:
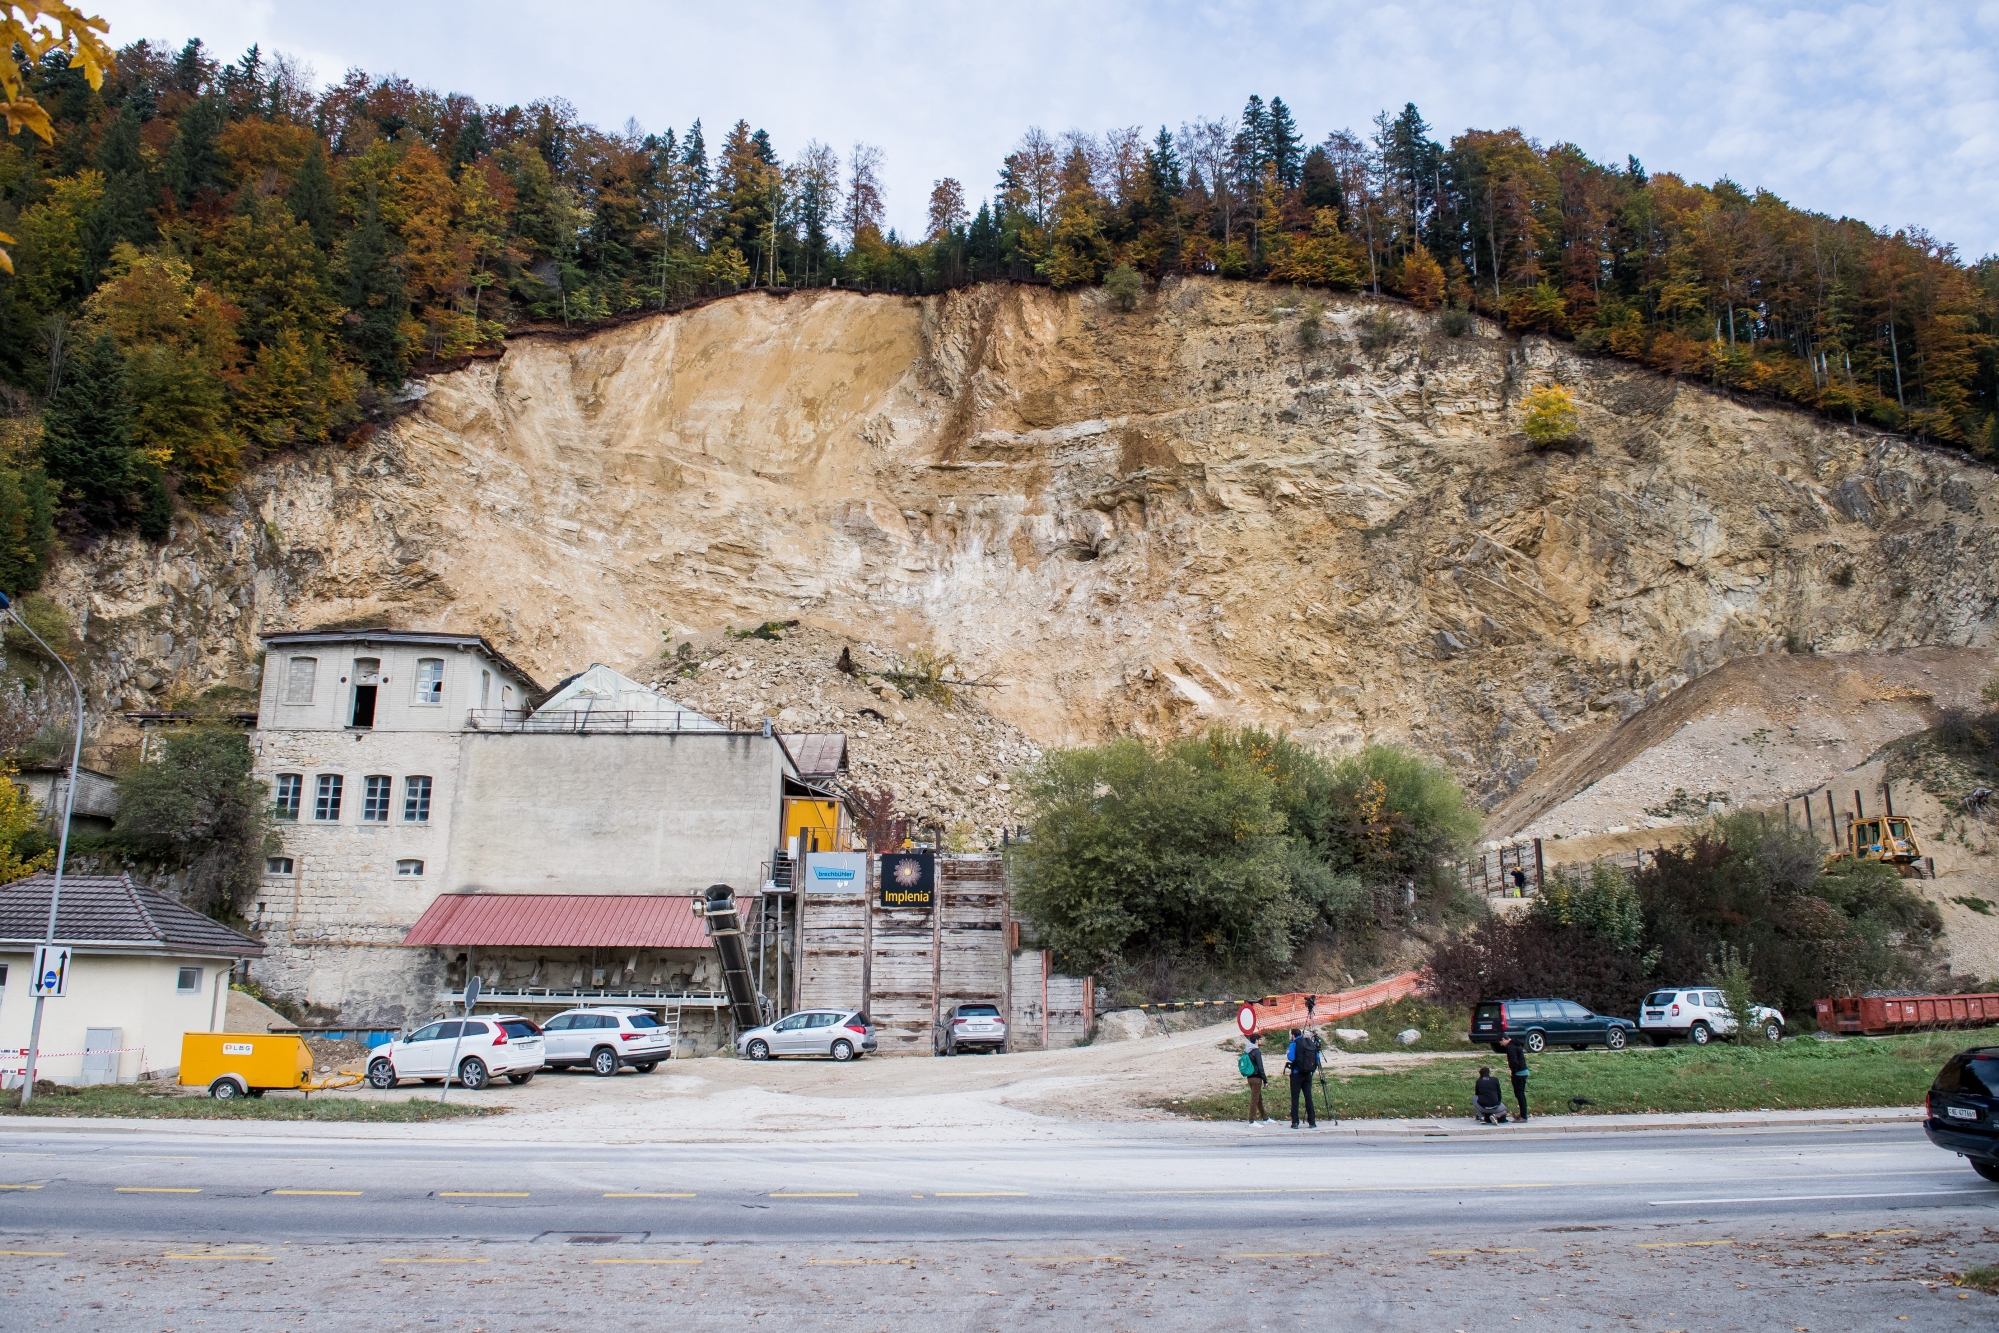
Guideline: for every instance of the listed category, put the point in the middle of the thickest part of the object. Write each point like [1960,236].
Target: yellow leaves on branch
[37,29]
[18,815]
[1551,415]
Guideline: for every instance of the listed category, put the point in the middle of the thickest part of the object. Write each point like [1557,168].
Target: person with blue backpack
[1250,1065]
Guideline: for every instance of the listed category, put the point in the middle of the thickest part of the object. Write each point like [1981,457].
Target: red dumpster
[1877,1014]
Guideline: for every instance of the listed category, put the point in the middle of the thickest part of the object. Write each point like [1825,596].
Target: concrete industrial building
[410,767]
[443,816]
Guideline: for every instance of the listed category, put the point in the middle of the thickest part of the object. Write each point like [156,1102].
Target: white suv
[605,1038]
[1699,1015]
[484,1046]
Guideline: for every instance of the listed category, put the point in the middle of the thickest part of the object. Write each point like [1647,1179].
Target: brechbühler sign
[909,881]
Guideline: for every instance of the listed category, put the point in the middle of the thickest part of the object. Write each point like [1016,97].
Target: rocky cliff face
[1223,504]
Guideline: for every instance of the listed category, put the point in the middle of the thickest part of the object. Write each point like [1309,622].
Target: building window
[485,689]
[189,981]
[326,801]
[299,680]
[277,865]
[291,788]
[430,680]
[416,800]
[409,869]
[375,799]
[367,680]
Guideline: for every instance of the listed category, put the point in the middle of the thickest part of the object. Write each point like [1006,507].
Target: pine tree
[311,197]
[194,158]
[374,296]
[87,437]
[1252,141]
[27,528]
[123,214]
[1286,146]
[470,144]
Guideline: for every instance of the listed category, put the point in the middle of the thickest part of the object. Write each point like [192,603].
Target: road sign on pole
[51,975]
[471,998]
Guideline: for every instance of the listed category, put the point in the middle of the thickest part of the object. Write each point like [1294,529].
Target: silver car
[972,1027]
[842,1034]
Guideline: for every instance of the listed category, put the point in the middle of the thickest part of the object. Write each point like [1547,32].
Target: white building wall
[136,994]
[396,705]
[613,813]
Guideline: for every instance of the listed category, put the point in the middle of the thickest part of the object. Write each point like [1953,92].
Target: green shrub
[1124,286]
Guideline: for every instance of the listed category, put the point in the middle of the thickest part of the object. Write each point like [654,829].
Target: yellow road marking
[977,1194]
[20,1187]
[1678,1244]
[436,1261]
[36,1254]
[816,1196]
[860,1261]
[344,1194]
[1073,1259]
[649,1196]
[482,1194]
[639,1261]
[154,1189]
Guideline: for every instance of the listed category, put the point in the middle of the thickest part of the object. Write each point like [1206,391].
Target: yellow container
[237,1064]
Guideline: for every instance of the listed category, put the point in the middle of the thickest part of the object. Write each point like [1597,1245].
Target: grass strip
[138,1102]
[1795,1075]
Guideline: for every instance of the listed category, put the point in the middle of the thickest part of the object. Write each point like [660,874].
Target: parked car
[1543,1023]
[487,1046]
[840,1033]
[1961,1113]
[605,1039]
[972,1027]
[1700,1015]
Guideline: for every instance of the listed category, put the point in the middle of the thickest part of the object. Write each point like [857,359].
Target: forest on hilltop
[214,261]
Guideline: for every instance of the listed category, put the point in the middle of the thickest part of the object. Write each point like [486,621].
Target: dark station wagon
[1961,1114]
[1543,1023]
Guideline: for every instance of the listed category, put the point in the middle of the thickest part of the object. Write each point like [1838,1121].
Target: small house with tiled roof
[144,969]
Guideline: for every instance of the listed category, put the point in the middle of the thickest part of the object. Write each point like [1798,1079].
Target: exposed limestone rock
[1137,521]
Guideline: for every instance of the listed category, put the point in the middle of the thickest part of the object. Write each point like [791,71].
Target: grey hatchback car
[839,1033]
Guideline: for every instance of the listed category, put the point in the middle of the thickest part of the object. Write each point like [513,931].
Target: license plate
[1655,1013]
[1961,1112]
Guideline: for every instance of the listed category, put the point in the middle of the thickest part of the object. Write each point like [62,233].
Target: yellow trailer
[243,1064]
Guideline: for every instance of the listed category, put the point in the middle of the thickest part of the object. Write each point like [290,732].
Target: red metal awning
[560,921]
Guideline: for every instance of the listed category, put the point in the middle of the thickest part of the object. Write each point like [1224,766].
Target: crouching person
[1487,1100]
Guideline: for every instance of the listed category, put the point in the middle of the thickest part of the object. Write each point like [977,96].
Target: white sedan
[483,1048]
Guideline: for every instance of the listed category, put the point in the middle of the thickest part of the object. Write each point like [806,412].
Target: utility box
[243,1064]
[100,1054]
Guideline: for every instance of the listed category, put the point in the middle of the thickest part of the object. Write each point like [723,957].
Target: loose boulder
[1351,1034]
[1408,1037]
[1124,1025]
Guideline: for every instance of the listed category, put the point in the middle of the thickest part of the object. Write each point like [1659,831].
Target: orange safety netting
[1290,1011]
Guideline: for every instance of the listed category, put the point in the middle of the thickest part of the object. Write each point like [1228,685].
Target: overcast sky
[1886,112]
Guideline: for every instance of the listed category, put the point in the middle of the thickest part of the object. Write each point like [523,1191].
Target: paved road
[1851,1227]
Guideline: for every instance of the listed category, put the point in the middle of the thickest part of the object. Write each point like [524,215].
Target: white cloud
[1882,112]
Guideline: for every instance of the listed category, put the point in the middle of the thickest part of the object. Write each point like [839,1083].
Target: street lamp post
[62,843]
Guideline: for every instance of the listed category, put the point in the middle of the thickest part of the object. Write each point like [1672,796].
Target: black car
[1961,1114]
[1543,1023]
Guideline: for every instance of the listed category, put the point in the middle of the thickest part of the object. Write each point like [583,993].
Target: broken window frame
[430,682]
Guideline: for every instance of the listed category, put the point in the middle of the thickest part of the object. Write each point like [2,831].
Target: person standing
[1301,1061]
[1250,1065]
[1516,1064]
